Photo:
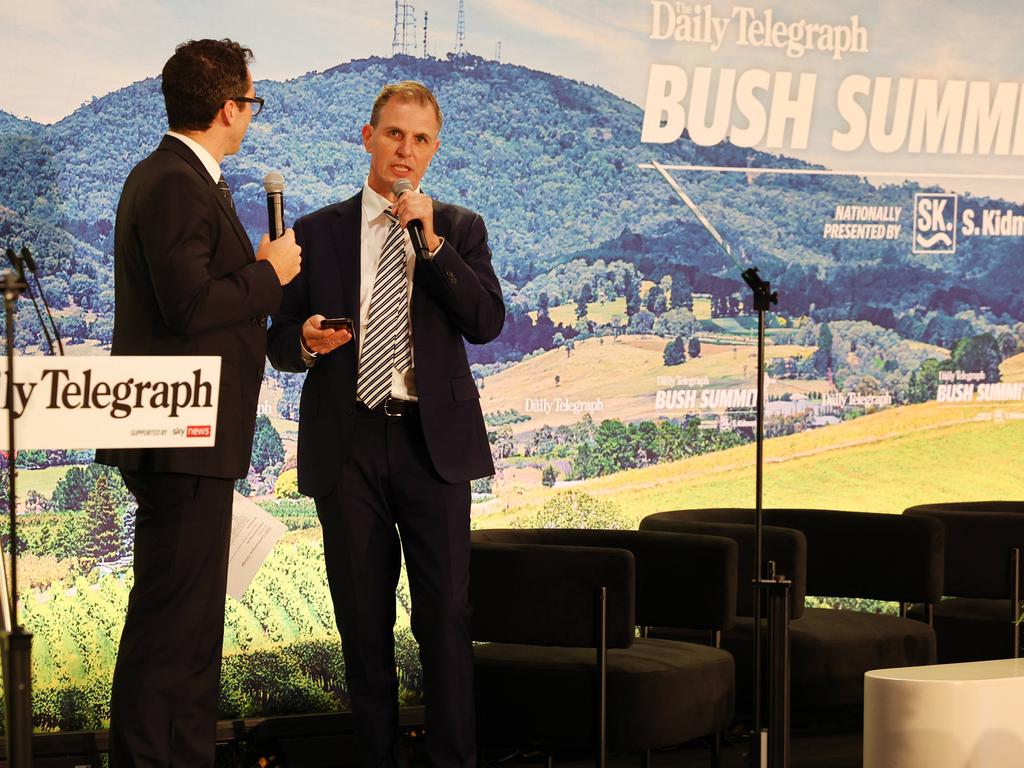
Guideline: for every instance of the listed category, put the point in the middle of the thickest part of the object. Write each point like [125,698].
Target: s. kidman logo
[198,431]
[934,222]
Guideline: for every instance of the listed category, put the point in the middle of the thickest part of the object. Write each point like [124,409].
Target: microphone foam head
[273,182]
[401,186]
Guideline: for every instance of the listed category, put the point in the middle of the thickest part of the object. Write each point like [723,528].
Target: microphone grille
[401,186]
[273,182]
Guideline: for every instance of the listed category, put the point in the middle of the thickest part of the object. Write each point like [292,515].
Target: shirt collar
[211,165]
[374,203]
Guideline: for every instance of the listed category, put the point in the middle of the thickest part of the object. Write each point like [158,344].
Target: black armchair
[848,554]
[984,540]
[538,677]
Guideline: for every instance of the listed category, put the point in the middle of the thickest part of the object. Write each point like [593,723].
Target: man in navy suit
[186,282]
[387,449]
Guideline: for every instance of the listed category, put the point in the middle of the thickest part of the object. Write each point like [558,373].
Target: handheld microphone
[273,183]
[415,227]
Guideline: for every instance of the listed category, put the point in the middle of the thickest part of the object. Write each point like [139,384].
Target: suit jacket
[455,296]
[186,283]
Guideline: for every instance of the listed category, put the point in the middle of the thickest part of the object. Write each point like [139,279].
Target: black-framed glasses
[254,100]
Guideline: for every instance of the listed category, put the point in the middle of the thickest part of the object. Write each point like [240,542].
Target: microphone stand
[26,257]
[15,642]
[770,745]
[18,262]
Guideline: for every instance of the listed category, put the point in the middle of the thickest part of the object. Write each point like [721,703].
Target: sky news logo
[934,222]
[198,431]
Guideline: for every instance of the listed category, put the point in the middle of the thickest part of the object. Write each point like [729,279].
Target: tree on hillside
[575,509]
[641,322]
[978,353]
[267,448]
[631,290]
[656,302]
[584,297]
[543,303]
[823,355]
[681,296]
[103,525]
[693,347]
[71,490]
[675,352]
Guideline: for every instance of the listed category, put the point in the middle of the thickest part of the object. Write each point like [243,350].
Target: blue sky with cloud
[57,54]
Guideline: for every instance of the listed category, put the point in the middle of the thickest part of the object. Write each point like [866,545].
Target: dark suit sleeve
[286,324]
[178,241]
[461,279]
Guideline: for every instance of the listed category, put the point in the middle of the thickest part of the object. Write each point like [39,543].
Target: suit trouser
[163,707]
[388,482]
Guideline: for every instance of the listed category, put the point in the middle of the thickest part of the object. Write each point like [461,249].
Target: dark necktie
[386,343]
[225,192]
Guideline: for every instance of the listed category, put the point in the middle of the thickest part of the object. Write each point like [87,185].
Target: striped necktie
[386,343]
[225,192]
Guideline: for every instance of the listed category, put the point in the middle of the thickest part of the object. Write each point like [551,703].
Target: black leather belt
[392,406]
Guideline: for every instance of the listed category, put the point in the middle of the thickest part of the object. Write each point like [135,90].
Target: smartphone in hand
[336,323]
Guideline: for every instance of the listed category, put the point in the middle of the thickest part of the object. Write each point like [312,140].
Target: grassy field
[597,311]
[41,481]
[883,462]
[1012,368]
[624,374]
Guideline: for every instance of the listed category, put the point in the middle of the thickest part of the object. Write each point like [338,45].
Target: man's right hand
[283,255]
[323,341]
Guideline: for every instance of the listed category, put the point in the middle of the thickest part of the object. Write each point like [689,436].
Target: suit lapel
[186,154]
[344,233]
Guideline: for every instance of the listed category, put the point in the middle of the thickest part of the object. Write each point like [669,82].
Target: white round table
[968,715]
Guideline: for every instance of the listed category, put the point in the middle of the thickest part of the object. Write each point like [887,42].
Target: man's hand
[416,205]
[323,342]
[283,255]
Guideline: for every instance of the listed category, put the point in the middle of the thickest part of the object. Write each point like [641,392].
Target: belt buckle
[388,412]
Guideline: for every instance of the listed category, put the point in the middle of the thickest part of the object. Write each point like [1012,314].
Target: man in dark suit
[188,283]
[390,426]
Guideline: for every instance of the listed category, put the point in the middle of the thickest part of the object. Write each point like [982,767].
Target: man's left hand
[416,205]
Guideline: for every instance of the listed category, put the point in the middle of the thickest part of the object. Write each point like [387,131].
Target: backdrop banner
[867,157]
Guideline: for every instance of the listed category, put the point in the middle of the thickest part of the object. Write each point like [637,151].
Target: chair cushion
[972,629]
[660,692]
[830,650]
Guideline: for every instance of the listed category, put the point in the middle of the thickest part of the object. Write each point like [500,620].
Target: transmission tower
[460,31]
[425,49]
[497,52]
[395,43]
[404,38]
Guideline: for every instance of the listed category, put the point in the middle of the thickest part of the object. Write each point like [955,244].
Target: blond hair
[407,90]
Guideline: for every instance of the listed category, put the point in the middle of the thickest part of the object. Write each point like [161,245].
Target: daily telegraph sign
[111,402]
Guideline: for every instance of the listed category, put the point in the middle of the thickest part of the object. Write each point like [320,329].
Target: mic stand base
[16,647]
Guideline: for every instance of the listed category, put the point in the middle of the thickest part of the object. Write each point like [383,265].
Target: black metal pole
[16,642]
[601,669]
[760,752]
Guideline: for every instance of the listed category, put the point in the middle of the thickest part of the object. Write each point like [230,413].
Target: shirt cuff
[308,355]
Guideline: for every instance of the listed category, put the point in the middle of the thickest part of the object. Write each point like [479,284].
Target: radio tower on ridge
[404,38]
[426,55]
[460,31]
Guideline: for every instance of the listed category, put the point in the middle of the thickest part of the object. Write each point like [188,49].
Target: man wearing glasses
[188,283]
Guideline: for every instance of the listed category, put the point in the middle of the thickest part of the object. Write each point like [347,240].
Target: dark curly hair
[199,78]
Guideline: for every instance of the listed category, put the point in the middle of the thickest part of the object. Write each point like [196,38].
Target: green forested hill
[551,163]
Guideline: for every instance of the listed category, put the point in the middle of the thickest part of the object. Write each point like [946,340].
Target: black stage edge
[298,740]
